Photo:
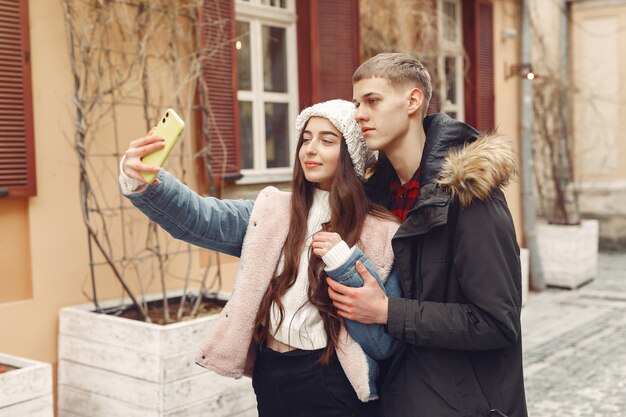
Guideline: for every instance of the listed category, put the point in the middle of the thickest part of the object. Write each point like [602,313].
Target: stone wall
[606,201]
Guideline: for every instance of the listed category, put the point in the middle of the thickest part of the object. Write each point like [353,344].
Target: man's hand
[138,149]
[366,305]
[323,242]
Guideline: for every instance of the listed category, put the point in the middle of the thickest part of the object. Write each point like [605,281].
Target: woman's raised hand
[132,165]
[323,242]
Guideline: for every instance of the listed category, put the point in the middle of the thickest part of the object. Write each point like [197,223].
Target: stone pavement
[575,346]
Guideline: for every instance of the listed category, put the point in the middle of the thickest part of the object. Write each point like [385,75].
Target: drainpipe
[565,148]
[526,107]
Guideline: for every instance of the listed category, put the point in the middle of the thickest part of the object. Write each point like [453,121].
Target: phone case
[170,126]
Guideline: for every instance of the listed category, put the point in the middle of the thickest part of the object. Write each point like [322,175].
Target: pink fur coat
[228,348]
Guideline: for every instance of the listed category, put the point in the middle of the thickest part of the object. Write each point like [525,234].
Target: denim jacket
[376,343]
[373,338]
[221,225]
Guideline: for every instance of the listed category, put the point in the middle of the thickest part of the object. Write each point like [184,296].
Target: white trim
[258,4]
[269,15]
[452,50]
[274,175]
[456,46]
[460,81]
[258,111]
[292,86]
[276,97]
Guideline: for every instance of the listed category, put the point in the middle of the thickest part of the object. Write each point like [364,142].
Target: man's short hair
[400,69]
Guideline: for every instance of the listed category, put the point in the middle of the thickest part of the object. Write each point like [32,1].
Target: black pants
[293,384]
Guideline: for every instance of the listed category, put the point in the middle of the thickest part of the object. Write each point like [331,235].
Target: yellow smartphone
[170,126]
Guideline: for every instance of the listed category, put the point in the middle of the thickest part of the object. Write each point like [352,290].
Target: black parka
[459,261]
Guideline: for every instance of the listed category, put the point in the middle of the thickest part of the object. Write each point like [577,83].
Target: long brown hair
[349,207]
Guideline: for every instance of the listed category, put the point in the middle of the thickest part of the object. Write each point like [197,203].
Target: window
[450,63]
[267,88]
[17,153]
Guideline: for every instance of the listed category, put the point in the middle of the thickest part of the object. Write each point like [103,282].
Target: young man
[456,249]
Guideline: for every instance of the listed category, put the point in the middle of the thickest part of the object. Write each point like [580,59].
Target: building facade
[269,59]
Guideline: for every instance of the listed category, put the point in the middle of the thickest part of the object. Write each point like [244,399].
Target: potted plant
[568,244]
[134,356]
[25,387]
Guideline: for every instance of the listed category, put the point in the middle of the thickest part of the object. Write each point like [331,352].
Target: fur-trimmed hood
[477,168]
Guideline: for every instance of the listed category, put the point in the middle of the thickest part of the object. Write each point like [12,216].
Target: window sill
[264,178]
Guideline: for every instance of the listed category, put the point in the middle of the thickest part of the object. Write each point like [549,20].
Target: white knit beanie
[341,114]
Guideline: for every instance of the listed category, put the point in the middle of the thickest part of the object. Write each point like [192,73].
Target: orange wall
[507,103]
[43,241]
[15,274]
[51,239]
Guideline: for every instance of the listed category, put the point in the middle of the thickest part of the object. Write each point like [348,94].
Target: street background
[575,346]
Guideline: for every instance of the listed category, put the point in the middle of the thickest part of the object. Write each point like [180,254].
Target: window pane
[449,21]
[275,3]
[450,68]
[242,44]
[274,59]
[245,135]
[277,134]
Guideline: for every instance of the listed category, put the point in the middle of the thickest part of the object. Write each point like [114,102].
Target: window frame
[456,51]
[258,15]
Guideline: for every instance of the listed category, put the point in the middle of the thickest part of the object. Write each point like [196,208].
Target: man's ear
[416,100]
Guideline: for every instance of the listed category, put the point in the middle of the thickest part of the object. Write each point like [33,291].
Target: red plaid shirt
[403,197]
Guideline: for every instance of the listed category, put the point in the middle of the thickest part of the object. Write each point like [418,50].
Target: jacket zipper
[420,283]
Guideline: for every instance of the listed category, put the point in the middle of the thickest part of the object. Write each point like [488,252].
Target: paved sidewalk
[575,346]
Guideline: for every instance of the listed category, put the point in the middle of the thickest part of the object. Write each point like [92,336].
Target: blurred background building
[79,80]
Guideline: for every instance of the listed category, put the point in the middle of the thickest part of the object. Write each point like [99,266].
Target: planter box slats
[135,335]
[38,407]
[229,403]
[569,254]
[111,366]
[26,391]
[149,367]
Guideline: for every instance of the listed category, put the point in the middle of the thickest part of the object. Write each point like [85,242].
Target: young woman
[279,326]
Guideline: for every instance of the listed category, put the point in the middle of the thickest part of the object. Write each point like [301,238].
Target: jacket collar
[442,134]
[457,159]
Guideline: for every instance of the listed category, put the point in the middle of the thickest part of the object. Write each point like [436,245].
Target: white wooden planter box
[569,254]
[524,261]
[111,366]
[27,391]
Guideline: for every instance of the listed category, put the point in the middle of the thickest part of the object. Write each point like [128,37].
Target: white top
[302,325]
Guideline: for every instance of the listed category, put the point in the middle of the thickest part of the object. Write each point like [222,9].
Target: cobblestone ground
[575,346]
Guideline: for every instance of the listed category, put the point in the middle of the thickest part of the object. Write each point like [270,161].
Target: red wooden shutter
[328,49]
[17,147]
[479,83]
[305,47]
[219,68]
